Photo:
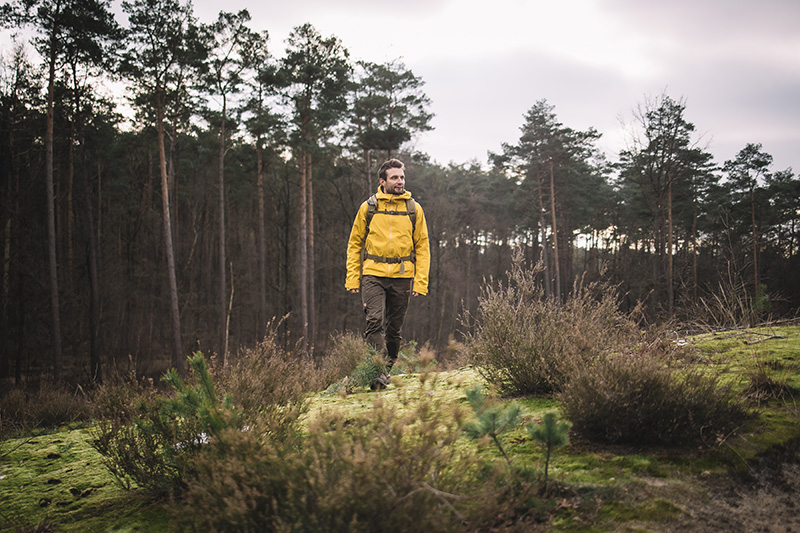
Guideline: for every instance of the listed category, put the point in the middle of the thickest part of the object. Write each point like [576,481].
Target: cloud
[482,99]
[735,62]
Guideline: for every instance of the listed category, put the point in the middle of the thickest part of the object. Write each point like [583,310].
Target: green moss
[655,510]
[59,479]
[773,430]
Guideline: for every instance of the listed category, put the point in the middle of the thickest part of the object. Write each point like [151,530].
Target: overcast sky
[736,63]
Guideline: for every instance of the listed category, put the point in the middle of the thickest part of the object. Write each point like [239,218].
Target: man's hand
[415,294]
[354,291]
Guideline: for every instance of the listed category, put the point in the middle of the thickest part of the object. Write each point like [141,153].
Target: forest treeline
[214,201]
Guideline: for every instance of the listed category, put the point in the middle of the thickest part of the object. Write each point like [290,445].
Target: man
[388,258]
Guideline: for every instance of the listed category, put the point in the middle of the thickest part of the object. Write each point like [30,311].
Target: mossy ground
[57,479]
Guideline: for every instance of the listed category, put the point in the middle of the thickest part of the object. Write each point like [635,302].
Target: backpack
[411,212]
[372,208]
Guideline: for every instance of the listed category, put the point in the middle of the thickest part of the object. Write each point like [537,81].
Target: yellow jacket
[389,236]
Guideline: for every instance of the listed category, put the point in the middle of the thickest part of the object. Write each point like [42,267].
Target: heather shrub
[635,398]
[731,305]
[241,483]
[119,395]
[153,449]
[49,407]
[396,471]
[766,381]
[269,383]
[388,470]
[371,365]
[525,343]
[364,363]
[268,374]
[346,352]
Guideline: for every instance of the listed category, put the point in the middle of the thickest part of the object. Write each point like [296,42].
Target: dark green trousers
[385,303]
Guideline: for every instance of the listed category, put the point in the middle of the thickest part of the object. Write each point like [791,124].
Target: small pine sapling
[551,434]
[491,419]
[200,402]
[156,448]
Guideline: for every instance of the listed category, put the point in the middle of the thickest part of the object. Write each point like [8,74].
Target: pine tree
[551,434]
[491,420]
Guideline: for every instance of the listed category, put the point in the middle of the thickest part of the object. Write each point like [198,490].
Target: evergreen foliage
[491,419]
[154,449]
[661,221]
[551,434]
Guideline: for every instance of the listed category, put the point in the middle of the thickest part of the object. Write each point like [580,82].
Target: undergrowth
[526,343]
[235,448]
[634,397]
[49,407]
[387,471]
[154,449]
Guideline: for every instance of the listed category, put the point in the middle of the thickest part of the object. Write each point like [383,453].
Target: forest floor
[56,481]
[765,499]
[768,502]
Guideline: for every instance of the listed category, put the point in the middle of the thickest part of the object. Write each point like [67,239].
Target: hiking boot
[381,382]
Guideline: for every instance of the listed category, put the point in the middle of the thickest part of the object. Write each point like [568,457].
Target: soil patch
[766,499]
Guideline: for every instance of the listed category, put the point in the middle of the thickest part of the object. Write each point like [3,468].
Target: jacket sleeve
[423,251]
[353,280]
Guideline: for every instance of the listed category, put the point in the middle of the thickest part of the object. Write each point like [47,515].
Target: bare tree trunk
[99,240]
[262,245]
[5,317]
[94,284]
[51,216]
[694,252]
[368,172]
[20,314]
[147,193]
[69,275]
[311,262]
[555,234]
[95,369]
[177,349]
[303,277]
[670,288]
[755,241]
[172,181]
[548,282]
[223,349]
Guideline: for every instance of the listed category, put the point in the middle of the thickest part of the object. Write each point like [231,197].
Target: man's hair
[391,163]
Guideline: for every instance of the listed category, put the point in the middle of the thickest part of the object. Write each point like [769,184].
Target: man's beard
[393,190]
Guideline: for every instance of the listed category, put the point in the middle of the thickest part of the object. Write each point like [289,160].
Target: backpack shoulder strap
[372,206]
[411,208]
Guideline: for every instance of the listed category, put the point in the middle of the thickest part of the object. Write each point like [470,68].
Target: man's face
[395,181]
